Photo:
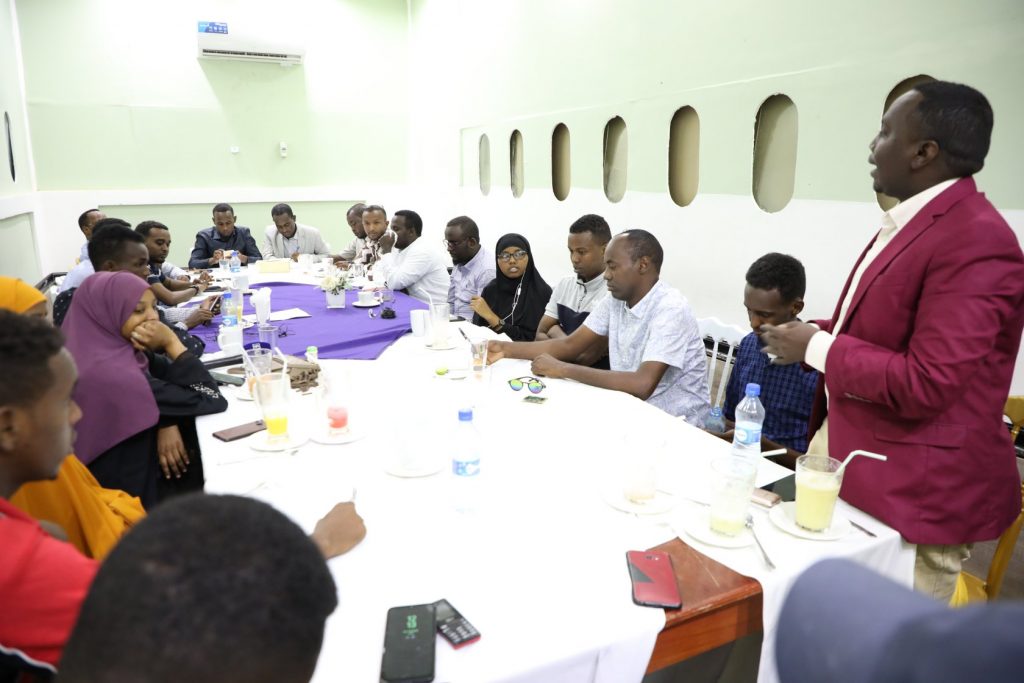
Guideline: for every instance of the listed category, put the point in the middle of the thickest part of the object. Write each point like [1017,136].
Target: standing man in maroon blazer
[917,359]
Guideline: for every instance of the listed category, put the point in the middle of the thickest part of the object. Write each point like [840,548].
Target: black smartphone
[225,378]
[409,640]
[454,627]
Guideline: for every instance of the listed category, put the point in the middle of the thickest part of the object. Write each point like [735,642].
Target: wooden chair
[720,341]
[970,588]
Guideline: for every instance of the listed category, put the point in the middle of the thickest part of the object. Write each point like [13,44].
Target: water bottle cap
[466,415]
[753,389]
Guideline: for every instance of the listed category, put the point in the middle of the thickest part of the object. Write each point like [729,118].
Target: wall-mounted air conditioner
[220,40]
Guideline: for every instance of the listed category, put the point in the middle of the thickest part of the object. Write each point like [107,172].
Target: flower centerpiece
[334,284]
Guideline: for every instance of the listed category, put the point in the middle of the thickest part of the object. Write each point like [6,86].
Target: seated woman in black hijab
[514,301]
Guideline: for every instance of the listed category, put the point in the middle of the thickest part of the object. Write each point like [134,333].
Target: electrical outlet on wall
[284,150]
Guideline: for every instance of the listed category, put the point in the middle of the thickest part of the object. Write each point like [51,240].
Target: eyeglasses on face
[451,244]
[532,383]
[517,255]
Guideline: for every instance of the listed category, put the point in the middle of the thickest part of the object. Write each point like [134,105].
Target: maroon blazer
[920,372]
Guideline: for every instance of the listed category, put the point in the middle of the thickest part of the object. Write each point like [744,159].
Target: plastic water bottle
[466,464]
[235,263]
[230,317]
[715,421]
[746,439]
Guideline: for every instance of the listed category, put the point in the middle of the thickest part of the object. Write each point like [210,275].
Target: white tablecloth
[540,568]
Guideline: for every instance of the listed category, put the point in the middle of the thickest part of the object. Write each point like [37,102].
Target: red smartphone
[654,579]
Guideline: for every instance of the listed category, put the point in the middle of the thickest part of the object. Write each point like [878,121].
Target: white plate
[362,305]
[259,443]
[698,525]
[430,468]
[783,516]
[445,346]
[242,395]
[329,439]
[661,503]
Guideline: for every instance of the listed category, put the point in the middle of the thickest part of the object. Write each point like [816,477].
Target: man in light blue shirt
[474,265]
[654,346]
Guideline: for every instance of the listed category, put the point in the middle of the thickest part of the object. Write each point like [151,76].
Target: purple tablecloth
[337,333]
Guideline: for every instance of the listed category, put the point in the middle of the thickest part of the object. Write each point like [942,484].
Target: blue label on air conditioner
[213,27]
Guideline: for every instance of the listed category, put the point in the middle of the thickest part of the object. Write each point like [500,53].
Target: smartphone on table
[454,627]
[653,578]
[409,640]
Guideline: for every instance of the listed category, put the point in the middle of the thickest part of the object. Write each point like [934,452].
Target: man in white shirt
[83,269]
[416,268]
[287,239]
[654,345]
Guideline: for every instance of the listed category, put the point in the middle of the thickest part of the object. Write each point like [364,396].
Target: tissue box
[283,265]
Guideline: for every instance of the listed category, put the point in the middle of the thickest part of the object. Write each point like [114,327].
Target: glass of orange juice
[272,394]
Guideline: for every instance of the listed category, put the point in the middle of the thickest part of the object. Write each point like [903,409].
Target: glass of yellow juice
[732,483]
[818,480]
[272,394]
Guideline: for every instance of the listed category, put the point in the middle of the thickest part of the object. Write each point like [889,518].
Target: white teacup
[367,297]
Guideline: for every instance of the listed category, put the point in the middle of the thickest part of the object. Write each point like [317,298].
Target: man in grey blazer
[287,239]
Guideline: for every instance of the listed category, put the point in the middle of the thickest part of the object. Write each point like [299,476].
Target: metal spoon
[750,525]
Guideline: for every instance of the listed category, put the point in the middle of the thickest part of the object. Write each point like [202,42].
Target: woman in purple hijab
[131,396]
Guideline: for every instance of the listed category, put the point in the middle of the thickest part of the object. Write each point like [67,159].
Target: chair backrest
[1003,554]
[720,341]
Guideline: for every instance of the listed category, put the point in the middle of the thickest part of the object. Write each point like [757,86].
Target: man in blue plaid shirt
[774,294]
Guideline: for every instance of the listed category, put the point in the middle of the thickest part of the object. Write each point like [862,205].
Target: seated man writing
[287,239]
[414,266]
[213,243]
[655,349]
[773,295]
[354,218]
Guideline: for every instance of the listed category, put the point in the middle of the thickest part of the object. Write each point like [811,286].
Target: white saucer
[698,526]
[447,346]
[370,305]
[662,502]
[242,395]
[784,517]
[396,469]
[259,443]
[329,439]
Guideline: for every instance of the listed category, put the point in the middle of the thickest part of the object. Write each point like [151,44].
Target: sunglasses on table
[532,383]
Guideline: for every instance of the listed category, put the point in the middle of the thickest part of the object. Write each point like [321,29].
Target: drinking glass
[731,485]
[439,315]
[272,394]
[817,489]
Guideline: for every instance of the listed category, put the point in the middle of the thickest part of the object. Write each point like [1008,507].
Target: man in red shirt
[43,581]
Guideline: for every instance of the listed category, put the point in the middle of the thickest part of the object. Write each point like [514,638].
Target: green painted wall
[184,220]
[537,63]
[119,100]
[19,256]
[11,102]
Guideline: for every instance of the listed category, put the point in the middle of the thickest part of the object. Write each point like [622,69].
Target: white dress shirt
[419,269]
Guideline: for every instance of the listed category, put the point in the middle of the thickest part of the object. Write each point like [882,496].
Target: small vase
[335,300]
